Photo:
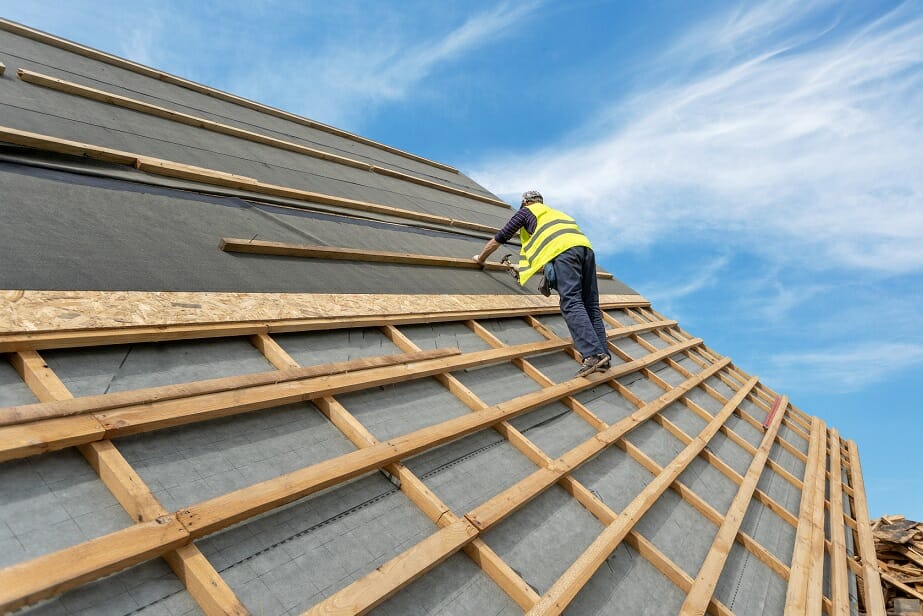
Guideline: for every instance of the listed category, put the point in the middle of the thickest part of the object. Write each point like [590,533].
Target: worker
[550,237]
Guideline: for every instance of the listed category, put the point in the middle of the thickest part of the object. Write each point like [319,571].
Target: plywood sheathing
[31,311]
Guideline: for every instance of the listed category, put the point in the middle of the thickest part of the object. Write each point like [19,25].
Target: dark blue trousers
[575,270]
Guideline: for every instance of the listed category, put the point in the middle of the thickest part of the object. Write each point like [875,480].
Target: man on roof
[553,243]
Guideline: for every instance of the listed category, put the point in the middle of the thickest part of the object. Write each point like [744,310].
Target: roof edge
[135,67]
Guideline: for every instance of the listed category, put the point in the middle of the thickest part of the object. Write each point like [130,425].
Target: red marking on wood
[775,407]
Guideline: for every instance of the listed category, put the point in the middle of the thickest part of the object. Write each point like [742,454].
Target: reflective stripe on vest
[555,232]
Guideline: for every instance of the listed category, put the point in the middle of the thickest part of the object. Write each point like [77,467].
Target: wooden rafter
[871,577]
[204,584]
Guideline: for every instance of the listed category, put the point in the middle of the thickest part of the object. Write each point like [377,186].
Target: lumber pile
[899,547]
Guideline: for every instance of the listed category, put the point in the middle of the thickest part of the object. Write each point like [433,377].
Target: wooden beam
[839,580]
[214,177]
[226,510]
[871,579]
[122,548]
[310,251]
[639,543]
[48,435]
[364,594]
[796,599]
[33,320]
[700,594]
[62,406]
[579,573]
[140,69]
[125,102]
[54,573]
[205,585]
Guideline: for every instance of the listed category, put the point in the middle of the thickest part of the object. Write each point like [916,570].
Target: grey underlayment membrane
[83,225]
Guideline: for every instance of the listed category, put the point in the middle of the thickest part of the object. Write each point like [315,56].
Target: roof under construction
[252,368]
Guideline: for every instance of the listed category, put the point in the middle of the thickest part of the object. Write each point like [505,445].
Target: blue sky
[755,169]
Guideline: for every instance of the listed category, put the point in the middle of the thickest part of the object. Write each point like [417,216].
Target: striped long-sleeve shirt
[523,218]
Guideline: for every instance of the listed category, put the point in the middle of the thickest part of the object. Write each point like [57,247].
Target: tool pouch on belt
[548,281]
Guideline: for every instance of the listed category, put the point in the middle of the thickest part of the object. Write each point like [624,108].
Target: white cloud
[380,59]
[848,368]
[807,148]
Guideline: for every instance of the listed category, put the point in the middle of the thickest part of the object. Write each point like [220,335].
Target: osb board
[41,311]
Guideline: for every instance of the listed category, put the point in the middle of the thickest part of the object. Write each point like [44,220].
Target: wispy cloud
[803,143]
[847,368]
[382,59]
[698,278]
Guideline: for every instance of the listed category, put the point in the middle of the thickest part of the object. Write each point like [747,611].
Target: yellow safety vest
[555,232]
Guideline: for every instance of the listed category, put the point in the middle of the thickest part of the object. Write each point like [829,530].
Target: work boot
[603,364]
[589,365]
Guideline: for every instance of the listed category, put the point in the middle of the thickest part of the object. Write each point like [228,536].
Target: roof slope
[251,369]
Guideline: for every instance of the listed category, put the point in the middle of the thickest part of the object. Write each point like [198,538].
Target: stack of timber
[899,547]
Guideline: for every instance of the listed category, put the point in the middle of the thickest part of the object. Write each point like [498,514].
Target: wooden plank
[204,583]
[839,580]
[579,573]
[202,89]
[494,566]
[223,511]
[310,251]
[68,406]
[364,594]
[215,177]
[125,102]
[50,435]
[796,598]
[209,590]
[47,435]
[60,319]
[871,579]
[639,543]
[52,574]
[703,588]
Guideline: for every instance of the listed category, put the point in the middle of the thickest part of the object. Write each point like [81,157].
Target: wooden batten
[117,100]
[701,592]
[140,69]
[263,247]
[215,177]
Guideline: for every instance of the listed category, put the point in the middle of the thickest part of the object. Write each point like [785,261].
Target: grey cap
[531,196]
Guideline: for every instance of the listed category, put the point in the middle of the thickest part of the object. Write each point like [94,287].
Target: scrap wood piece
[103,402]
[900,531]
